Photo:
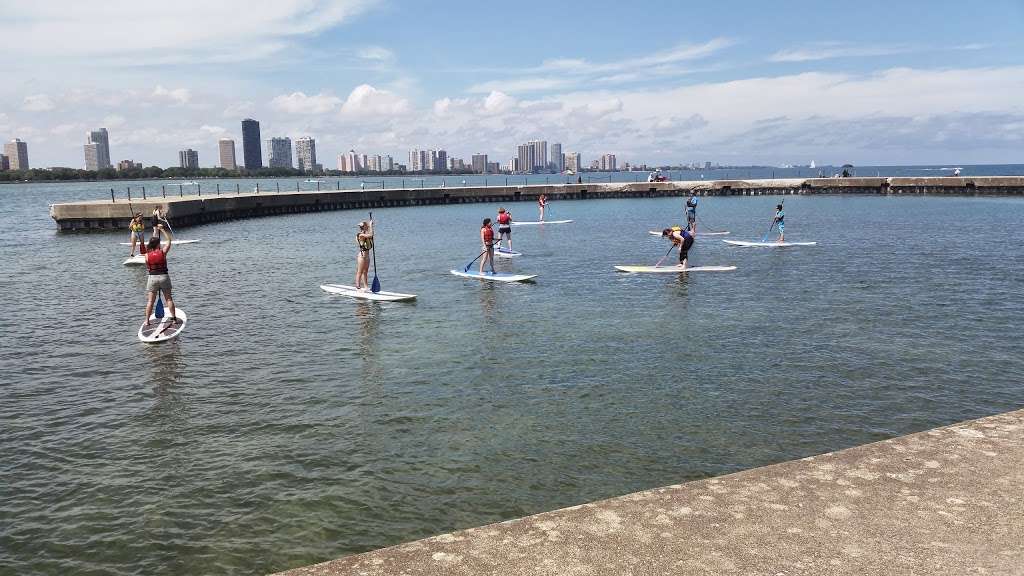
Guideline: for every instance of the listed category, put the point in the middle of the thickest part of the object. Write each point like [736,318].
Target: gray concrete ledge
[213,207]
[947,501]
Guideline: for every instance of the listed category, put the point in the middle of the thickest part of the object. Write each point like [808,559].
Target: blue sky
[658,82]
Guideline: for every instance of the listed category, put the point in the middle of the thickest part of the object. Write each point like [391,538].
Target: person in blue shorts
[779,219]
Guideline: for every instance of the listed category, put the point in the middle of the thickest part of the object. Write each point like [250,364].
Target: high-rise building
[279,152]
[608,162]
[349,162]
[573,161]
[5,163]
[440,159]
[514,165]
[305,154]
[540,156]
[527,156]
[387,163]
[252,154]
[493,168]
[97,150]
[227,154]
[128,165]
[188,158]
[557,160]
[17,154]
[480,163]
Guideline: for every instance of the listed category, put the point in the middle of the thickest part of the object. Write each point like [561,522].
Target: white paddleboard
[506,253]
[675,269]
[162,330]
[539,223]
[768,244]
[381,296]
[137,260]
[658,233]
[176,242]
[498,277]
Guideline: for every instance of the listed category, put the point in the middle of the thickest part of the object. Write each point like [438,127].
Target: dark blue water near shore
[288,426]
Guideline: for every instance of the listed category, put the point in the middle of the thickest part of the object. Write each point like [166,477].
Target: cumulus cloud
[365,100]
[497,102]
[37,103]
[299,103]
[179,96]
[239,109]
[376,53]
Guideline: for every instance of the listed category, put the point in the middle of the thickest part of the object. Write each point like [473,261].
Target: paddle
[375,285]
[670,249]
[466,269]
[159,307]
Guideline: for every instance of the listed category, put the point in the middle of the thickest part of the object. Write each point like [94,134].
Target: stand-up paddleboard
[768,244]
[506,253]
[541,222]
[658,233]
[496,277]
[176,242]
[676,269]
[137,260]
[163,329]
[353,292]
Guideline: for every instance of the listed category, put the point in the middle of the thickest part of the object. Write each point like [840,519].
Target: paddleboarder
[505,227]
[136,233]
[364,240]
[487,237]
[691,212]
[780,215]
[542,201]
[683,239]
[159,279]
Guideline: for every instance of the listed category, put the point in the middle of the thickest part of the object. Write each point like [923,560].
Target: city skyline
[731,92]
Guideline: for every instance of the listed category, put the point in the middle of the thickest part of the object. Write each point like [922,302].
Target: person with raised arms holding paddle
[487,238]
[364,240]
[159,280]
[682,238]
[504,227]
[542,201]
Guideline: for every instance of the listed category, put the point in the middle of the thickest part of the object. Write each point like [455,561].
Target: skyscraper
[480,163]
[387,163]
[305,153]
[251,152]
[526,154]
[557,160]
[188,158]
[540,156]
[227,154]
[573,161]
[608,162]
[279,152]
[17,154]
[5,162]
[440,161]
[97,150]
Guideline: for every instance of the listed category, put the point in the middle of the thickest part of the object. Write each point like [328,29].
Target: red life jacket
[488,235]
[156,260]
[504,218]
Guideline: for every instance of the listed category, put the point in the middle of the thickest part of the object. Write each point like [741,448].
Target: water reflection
[166,363]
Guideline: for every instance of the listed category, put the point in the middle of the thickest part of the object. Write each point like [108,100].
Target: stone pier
[948,501]
[190,210]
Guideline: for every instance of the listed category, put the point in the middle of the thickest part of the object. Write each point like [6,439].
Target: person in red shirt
[487,237]
[159,279]
[504,227]
[542,201]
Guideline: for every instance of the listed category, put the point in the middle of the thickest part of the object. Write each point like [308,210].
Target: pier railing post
[163,191]
[237,188]
[143,192]
[112,199]
[129,194]
[278,184]
[199,189]
[218,189]
[181,191]
[296,185]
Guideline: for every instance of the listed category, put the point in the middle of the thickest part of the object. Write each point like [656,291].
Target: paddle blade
[375,286]
[159,307]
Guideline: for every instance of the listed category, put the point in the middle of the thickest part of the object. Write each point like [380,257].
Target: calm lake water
[289,426]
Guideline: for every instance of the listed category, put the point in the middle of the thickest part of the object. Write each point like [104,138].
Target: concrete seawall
[948,501]
[199,209]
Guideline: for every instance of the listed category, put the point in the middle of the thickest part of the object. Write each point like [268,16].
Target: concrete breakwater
[943,501]
[195,209]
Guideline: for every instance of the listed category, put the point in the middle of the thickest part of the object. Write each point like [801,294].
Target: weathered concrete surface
[947,501]
[212,207]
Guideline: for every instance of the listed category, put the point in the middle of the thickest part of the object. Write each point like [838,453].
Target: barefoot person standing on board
[136,234]
[691,212]
[683,239]
[504,227]
[159,280]
[364,239]
[542,201]
[487,237]
[779,217]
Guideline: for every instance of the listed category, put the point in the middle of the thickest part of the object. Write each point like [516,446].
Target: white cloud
[299,103]
[37,103]
[215,130]
[239,109]
[113,121]
[365,100]
[829,50]
[497,102]
[194,31]
[377,53]
[178,96]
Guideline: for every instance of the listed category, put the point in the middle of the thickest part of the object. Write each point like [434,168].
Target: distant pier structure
[197,207]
